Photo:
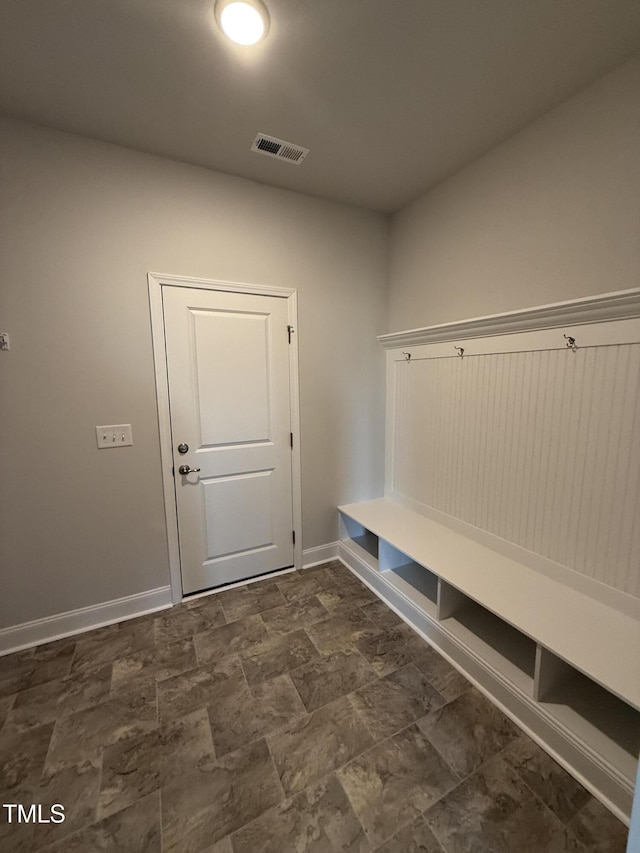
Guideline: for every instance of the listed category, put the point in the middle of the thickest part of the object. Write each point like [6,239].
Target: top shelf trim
[619,305]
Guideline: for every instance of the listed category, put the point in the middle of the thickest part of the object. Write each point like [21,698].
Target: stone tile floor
[293,714]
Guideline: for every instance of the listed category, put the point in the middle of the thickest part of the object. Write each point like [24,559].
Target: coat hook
[460,351]
[571,343]
[407,355]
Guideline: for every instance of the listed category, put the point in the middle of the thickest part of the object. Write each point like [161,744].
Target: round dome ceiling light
[245,22]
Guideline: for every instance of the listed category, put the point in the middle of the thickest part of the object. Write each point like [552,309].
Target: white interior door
[228,372]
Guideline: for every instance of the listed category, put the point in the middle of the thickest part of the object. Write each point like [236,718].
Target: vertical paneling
[541,448]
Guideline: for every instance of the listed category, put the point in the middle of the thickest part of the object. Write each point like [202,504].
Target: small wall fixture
[245,22]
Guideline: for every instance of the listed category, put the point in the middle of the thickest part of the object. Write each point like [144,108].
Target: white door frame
[156,282]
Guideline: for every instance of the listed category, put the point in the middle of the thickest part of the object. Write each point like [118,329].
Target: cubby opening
[495,641]
[607,724]
[414,581]
[362,542]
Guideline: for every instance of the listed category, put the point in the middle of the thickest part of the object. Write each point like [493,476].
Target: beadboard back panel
[527,439]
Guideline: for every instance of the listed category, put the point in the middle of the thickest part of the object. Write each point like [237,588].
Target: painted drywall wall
[81,224]
[551,214]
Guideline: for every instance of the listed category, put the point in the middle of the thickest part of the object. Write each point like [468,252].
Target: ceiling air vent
[279,149]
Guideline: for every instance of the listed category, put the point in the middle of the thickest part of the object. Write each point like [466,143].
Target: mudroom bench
[561,662]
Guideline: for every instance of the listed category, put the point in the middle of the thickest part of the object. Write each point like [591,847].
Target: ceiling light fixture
[245,22]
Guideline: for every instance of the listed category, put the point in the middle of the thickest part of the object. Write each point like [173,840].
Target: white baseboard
[28,634]
[319,554]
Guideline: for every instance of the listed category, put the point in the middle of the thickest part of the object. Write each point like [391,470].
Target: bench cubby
[493,640]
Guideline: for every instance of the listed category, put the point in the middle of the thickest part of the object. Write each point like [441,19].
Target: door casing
[156,282]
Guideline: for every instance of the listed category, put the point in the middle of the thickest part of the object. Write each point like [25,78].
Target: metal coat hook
[460,351]
[571,343]
[407,355]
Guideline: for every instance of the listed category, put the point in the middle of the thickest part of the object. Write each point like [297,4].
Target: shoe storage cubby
[610,726]
[495,641]
[414,581]
[362,542]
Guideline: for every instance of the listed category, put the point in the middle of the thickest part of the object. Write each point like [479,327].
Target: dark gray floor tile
[133,830]
[223,846]
[138,766]
[35,666]
[155,663]
[15,837]
[15,673]
[211,608]
[355,594]
[76,788]
[22,756]
[249,600]
[46,702]
[277,655]
[342,630]
[414,838]
[214,645]
[444,677]
[290,617]
[599,830]
[391,784]
[331,676]
[302,584]
[103,646]
[493,811]
[318,743]
[318,820]
[389,648]
[203,808]
[468,731]
[393,702]
[217,779]
[240,715]
[381,615]
[6,704]
[54,658]
[196,688]
[83,735]
[346,580]
[340,574]
[559,791]
[181,622]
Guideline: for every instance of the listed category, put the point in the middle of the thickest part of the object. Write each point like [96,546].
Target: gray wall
[81,224]
[551,214]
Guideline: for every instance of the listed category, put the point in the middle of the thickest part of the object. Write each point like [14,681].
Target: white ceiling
[391,97]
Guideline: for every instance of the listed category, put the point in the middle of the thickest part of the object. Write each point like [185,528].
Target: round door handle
[185,469]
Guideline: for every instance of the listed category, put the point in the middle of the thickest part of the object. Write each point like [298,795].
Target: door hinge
[173,471]
[291,439]
[290,331]
[293,536]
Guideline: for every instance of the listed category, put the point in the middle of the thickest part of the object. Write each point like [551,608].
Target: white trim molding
[320,554]
[619,305]
[156,281]
[28,634]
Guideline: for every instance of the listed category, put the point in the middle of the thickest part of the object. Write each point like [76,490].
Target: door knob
[185,469]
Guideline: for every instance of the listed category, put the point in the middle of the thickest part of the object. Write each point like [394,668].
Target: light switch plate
[115,435]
